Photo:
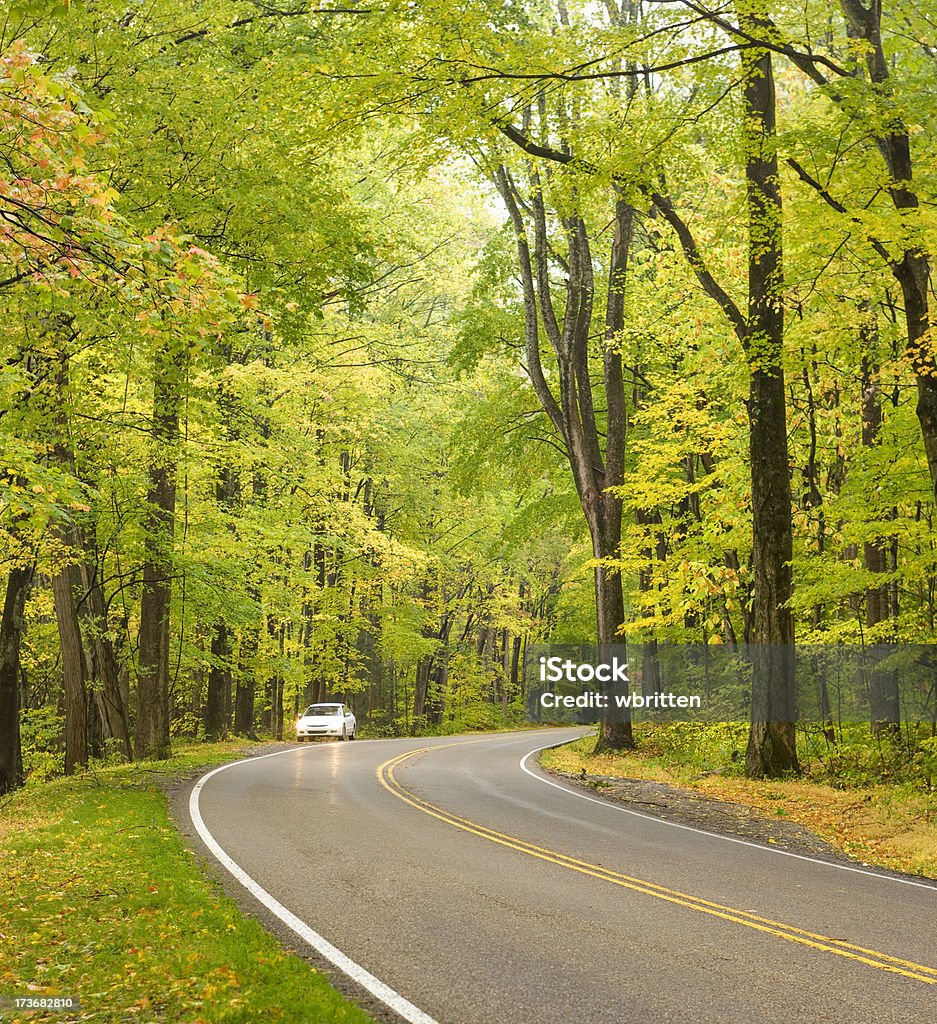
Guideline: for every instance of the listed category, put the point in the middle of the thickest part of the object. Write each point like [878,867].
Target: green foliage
[292,216]
[41,739]
[857,759]
[852,759]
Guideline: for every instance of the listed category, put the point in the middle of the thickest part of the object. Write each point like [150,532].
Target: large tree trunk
[89,656]
[73,667]
[64,586]
[772,746]
[152,739]
[571,410]
[615,730]
[11,635]
[912,271]
[772,742]
[106,671]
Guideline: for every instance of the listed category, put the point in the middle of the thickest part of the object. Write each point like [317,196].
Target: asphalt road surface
[459,884]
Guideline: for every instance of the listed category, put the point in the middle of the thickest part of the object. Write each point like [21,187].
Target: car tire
[354,735]
[300,739]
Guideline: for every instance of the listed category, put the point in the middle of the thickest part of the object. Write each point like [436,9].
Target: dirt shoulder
[875,827]
[686,807]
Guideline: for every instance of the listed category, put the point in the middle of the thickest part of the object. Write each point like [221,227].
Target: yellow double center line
[823,943]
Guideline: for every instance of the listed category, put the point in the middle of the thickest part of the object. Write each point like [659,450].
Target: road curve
[469,890]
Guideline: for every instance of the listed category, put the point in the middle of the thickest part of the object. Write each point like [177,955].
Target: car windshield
[319,710]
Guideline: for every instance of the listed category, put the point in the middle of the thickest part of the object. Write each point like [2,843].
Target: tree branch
[274,13]
[545,152]
[806,62]
[531,329]
[541,249]
[694,257]
[835,204]
[631,71]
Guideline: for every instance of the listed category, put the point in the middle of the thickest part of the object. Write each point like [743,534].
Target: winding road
[454,882]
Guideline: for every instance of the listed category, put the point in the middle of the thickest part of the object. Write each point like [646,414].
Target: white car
[326,720]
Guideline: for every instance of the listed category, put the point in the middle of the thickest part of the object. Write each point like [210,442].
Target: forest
[351,350]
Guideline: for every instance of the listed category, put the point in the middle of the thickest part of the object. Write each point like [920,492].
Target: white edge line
[376,987]
[704,832]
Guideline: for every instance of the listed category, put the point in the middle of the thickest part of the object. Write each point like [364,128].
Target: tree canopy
[352,350]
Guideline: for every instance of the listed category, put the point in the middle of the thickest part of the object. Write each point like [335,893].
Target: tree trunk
[615,732]
[421,682]
[883,683]
[912,271]
[246,681]
[438,678]
[772,742]
[105,668]
[152,739]
[772,746]
[73,668]
[64,585]
[813,500]
[571,410]
[515,664]
[650,662]
[11,635]
[278,684]
[278,707]
[244,704]
[218,679]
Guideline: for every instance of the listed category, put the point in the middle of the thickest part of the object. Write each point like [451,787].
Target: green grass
[101,899]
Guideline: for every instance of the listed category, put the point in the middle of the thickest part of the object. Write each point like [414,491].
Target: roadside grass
[100,899]
[840,796]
